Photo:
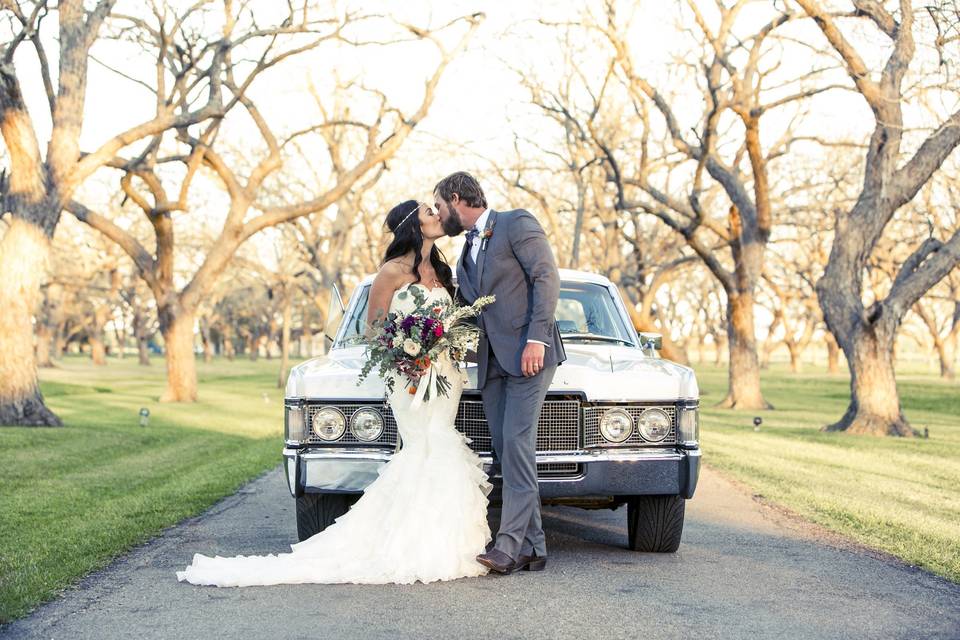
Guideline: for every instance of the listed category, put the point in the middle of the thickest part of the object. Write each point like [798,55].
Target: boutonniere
[487,234]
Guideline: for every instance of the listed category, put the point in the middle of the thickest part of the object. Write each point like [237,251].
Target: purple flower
[408,322]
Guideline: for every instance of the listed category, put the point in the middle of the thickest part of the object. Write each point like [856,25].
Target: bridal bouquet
[406,346]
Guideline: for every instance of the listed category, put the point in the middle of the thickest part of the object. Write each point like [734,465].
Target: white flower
[411,346]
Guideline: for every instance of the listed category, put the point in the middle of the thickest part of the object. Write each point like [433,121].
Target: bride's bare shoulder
[392,275]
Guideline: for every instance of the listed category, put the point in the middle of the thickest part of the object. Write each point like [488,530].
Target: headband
[414,210]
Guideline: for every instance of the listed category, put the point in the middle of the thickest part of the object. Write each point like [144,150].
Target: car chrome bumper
[605,472]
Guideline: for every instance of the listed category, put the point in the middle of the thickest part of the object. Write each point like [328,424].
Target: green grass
[897,495]
[72,498]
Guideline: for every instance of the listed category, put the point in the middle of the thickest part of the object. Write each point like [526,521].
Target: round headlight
[366,424]
[329,423]
[616,425]
[654,425]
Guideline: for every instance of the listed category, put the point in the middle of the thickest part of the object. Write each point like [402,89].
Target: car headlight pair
[616,425]
[330,424]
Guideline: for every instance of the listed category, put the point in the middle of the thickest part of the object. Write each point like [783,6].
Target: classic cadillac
[619,425]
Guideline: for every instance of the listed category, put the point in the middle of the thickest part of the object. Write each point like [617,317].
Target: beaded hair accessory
[412,211]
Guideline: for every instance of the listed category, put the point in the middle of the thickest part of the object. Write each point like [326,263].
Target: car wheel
[655,523]
[317,511]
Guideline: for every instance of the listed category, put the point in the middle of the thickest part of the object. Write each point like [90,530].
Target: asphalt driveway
[744,570]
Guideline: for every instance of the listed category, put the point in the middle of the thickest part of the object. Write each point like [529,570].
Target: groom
[507,255]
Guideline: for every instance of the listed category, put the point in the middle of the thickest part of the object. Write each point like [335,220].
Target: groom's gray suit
[515,264]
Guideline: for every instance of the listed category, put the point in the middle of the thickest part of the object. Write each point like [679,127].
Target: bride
[425,516]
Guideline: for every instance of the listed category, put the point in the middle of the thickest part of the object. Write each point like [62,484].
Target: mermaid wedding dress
[424,517]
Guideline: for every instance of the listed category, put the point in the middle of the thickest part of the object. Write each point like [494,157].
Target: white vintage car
[619,425]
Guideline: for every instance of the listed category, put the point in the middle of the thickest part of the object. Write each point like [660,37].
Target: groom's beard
[453,225]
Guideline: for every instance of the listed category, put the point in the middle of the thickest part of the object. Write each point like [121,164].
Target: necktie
[471,236]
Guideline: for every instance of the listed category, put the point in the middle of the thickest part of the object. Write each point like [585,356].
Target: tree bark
[947,371]
[744,370]
[833,354]
[228,349]
[794,350]
[44,343]
[98,352]
[24,259]
[207,342]
[177,329]
[874,403]
[140,332]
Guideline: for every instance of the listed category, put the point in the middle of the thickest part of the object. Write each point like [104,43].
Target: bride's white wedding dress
[424,517]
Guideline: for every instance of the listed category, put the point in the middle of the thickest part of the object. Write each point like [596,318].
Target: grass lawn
[898,495]
[73,498]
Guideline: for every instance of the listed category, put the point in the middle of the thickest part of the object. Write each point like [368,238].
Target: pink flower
[438,330]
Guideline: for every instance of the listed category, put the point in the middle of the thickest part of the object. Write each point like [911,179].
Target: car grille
[591,424]
[558,429]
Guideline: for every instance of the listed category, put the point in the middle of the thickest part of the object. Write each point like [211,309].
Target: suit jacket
[515,264]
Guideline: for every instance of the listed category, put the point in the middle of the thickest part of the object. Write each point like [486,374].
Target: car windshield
[586,312]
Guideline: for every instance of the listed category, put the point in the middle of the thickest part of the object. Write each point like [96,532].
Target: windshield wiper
[595,336]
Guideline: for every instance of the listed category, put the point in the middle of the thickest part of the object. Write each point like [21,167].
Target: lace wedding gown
[424,517]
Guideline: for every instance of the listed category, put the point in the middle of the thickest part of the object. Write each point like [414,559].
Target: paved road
[744,570]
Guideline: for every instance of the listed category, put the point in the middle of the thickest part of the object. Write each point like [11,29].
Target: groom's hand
[531,362]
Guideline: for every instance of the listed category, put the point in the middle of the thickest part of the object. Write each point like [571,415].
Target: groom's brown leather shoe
[531,563]
[497,560]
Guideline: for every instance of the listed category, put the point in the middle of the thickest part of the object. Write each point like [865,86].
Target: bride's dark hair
[404,222]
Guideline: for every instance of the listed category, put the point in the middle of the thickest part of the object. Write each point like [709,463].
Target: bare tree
[244,176]
[36,187]
[867,334]
[718,164]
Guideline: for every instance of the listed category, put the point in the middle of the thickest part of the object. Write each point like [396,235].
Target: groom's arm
[533,252]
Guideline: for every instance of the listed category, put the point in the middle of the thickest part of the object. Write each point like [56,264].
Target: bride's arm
[388,280]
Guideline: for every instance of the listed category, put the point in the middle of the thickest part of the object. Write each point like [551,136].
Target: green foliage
[76,497]
[897,495]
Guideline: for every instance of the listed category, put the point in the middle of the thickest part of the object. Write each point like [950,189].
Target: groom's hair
[464,185]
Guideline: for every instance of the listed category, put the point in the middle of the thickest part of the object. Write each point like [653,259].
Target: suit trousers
[512,405]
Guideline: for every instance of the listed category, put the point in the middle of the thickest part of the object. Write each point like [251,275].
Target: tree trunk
[744,370]
[24,258]
[227,336]
[177,329]
[285,344]
[253,344]
[874,403]
[794,350]
[833,354]
[97,350]
[44,344]
[59,340]
[207,342]
[720,346]
[947,371]
[140,332]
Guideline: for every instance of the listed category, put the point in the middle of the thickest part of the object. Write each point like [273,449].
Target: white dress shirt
[479,226]
[475,249]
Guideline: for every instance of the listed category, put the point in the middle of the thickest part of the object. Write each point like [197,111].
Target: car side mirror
[651,343]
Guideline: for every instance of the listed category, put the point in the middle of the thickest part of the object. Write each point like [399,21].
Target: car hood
[602,372]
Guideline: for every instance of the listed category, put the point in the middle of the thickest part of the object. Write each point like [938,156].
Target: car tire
[655,523]
[317,511]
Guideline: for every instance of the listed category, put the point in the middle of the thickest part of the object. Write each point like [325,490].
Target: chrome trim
[579,457]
